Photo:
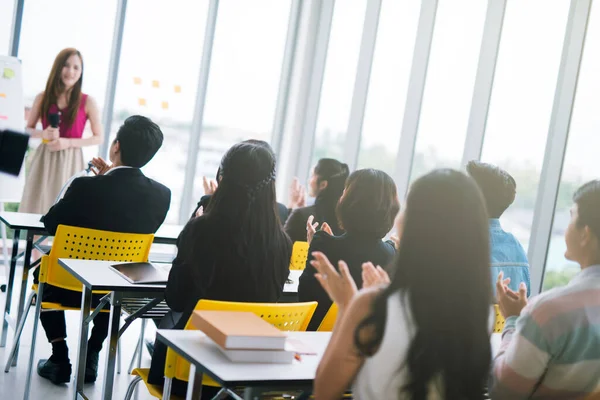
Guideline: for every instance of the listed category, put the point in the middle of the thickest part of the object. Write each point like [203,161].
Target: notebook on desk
[141,273]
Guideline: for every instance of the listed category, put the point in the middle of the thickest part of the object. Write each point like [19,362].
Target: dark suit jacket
[354,250]
[124,200]
[282,210]
[295,226]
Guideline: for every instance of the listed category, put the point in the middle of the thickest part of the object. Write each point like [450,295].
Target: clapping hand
[311,228]
[210,186]
[340,286]
[511,303]
[101,166]
[200,212]
[374,276]
[297,195]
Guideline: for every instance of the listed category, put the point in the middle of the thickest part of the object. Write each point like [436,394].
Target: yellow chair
[284,316]
[83,244]
[299,256]
[329,319]
[498,321]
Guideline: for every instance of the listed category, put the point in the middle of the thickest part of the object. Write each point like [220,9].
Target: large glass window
[388,84]
[6,24]
[158,78]
[449,87]
[50,26]
[521,102]
[581,159]
[244,78]
[338,80]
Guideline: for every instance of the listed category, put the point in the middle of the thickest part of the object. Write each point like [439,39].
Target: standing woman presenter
[63,110]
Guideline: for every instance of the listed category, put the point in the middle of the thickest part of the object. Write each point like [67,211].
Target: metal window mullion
[311,106]
[113,72]
[285,80]
[556,142]
[484,81]
[197,121]
[15,35]
[414,97]
[361,83]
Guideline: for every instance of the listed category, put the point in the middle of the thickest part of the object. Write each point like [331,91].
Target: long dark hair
[55,86]
[335,173]
[245,205]
[442,274]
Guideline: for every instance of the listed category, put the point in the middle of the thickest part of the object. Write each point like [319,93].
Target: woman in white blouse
[424,335]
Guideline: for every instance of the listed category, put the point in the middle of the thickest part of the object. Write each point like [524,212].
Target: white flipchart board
[12,115]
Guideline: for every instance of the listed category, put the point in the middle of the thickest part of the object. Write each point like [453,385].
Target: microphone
[54,119]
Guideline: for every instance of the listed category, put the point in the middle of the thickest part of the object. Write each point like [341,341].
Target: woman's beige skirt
[46,175]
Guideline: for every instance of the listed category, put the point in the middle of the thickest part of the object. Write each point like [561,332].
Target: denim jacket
[508,256]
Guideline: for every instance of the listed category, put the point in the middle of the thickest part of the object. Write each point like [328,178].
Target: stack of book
[245,337]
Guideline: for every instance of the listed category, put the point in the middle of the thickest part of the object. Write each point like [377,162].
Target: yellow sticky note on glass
[177,89]
[155,84]
[137,81]
[3,95]
[8,73]
[141,102]
[165,105]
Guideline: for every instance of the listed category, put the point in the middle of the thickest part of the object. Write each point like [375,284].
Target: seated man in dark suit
[119,199]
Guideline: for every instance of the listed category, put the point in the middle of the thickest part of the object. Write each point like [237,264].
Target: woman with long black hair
[425,335]
[326,185]
[236,251]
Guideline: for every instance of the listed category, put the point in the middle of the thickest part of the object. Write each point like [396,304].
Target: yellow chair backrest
[284,316]
[299,256]
[90,244]
[499,320]
[329,320]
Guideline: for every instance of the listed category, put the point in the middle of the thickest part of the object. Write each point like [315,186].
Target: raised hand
[210,186]
[340,286]
[511,303]
[297,195]
[101,167]
[374,276]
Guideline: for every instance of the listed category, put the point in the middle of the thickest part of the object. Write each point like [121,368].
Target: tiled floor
[12,383]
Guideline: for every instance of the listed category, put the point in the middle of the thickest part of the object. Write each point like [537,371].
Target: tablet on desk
[141,272]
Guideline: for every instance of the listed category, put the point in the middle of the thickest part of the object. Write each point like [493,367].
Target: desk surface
[97,275]
[15,220]
[204,353]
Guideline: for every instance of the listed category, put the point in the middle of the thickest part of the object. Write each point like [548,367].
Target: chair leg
[119,357]
[167,388]
[19,331]
[38,310]
[133,358]
[141,344]
[131,387]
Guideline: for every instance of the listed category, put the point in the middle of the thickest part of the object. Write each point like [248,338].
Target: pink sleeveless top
[73,131]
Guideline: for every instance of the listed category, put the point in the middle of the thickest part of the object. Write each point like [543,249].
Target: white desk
[31,224]
[96,275]
[205,357]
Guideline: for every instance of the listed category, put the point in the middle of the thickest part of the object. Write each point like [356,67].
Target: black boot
[56,372]
[91,366]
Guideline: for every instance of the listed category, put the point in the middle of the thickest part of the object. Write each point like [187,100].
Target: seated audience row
[414,330]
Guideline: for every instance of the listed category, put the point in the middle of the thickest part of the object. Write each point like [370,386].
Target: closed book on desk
[239,330]
[260,356]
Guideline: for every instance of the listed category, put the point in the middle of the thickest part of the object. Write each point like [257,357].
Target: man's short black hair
[139,139]
[587,199]
[498,187]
